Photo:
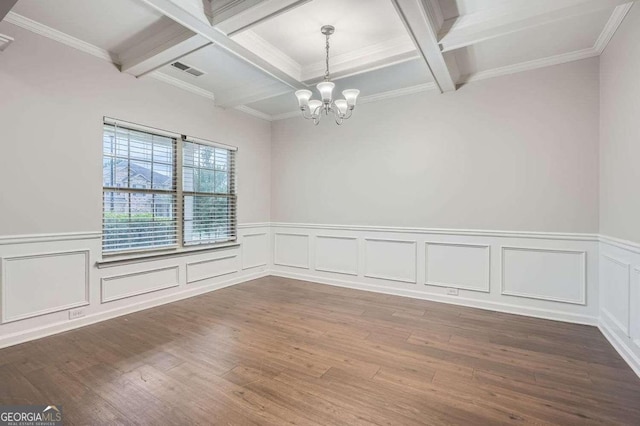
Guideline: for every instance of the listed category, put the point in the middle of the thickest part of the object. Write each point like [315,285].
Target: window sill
[118,260]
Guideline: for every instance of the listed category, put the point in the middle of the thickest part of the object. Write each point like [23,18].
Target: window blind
[209,194]
[139,190]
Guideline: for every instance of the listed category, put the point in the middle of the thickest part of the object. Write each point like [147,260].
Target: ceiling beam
[422,21]
[164,47]
[248,95]
[473,28]
[5,7]
[188,19]
[232,17]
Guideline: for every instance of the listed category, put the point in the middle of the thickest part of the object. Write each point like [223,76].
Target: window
[163,191]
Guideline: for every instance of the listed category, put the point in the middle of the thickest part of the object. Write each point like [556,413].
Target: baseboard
[55,328]
[452,300]
[620,346]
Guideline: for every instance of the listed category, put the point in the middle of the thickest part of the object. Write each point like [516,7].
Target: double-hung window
[165,191]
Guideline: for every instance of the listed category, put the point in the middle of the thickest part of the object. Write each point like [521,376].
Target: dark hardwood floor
[278,351]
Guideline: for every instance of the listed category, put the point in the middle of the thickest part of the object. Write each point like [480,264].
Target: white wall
[52,100]
[620,132]
[620,189]
[513,153]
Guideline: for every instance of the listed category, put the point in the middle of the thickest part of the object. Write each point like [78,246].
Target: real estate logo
[30,415]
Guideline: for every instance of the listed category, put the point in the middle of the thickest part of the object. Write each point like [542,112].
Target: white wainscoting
[546,274]
[620,297]
[211,268]
[255,250]
[337,254]
[122,286]
[40,284]
[291,250]
[457,265]
[43,277]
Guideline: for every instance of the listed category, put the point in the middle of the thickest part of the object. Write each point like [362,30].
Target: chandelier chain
[326,74]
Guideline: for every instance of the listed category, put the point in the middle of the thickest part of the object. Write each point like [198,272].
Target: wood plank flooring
[275,351]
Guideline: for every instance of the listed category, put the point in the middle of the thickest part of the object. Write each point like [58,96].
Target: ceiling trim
[614,22]
[5,41]
[254,112]
[419,18]
[182,85]
[196,24]
[43,30]
[240,15]
[261,47]
[379,55]
[467,30]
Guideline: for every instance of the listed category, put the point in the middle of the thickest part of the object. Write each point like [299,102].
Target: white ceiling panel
[556,38]
[112,25]
[225,75]
[359,24]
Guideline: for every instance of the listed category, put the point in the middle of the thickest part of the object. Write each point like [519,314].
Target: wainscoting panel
[634,304]
[337,254]
[547,274]
[615,296]
[211,268]
[390,259]
[457,265]
[291,250]
[255,250]
[123,286]
[39,284]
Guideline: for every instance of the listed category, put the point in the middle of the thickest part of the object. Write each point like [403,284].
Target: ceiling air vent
[188,69]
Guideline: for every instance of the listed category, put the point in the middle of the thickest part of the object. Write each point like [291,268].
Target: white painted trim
[166,78]
[275,249]
[583,294]
[258,265]
[45,238]
[453,300]
[530,65]
[3,282]
[620,243]
[609,317]
[336,271]
[626,328]
[267,51]
[612,25]
[53,34]
[5,41]
[254,113]
[452,285]
[61,326]
[414,243]
[440,231]
[217,259]
[620,346]
[105,280]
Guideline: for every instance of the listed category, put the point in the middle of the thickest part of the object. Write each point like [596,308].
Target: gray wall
[620,132]
[518,152]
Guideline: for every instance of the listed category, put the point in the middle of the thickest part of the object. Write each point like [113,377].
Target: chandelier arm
[306,114]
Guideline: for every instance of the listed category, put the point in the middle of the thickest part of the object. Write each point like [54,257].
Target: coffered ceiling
[253,54]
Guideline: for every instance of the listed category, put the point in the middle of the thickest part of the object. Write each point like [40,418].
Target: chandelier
[312,109]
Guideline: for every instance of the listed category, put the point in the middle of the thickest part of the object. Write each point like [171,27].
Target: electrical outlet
[452,291]
[76,313]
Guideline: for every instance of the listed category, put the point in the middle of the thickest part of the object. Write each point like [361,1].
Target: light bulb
[351,96]
[303,97]
[342,106]
[326,90]
[314,107]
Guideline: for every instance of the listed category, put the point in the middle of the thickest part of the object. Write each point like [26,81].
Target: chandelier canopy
[312,109]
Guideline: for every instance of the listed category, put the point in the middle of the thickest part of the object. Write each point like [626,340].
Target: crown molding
[612,25]
[182,85]
[396,50]
[254,112]
[59,36]
[267,51]
[5,41]
[530,65]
